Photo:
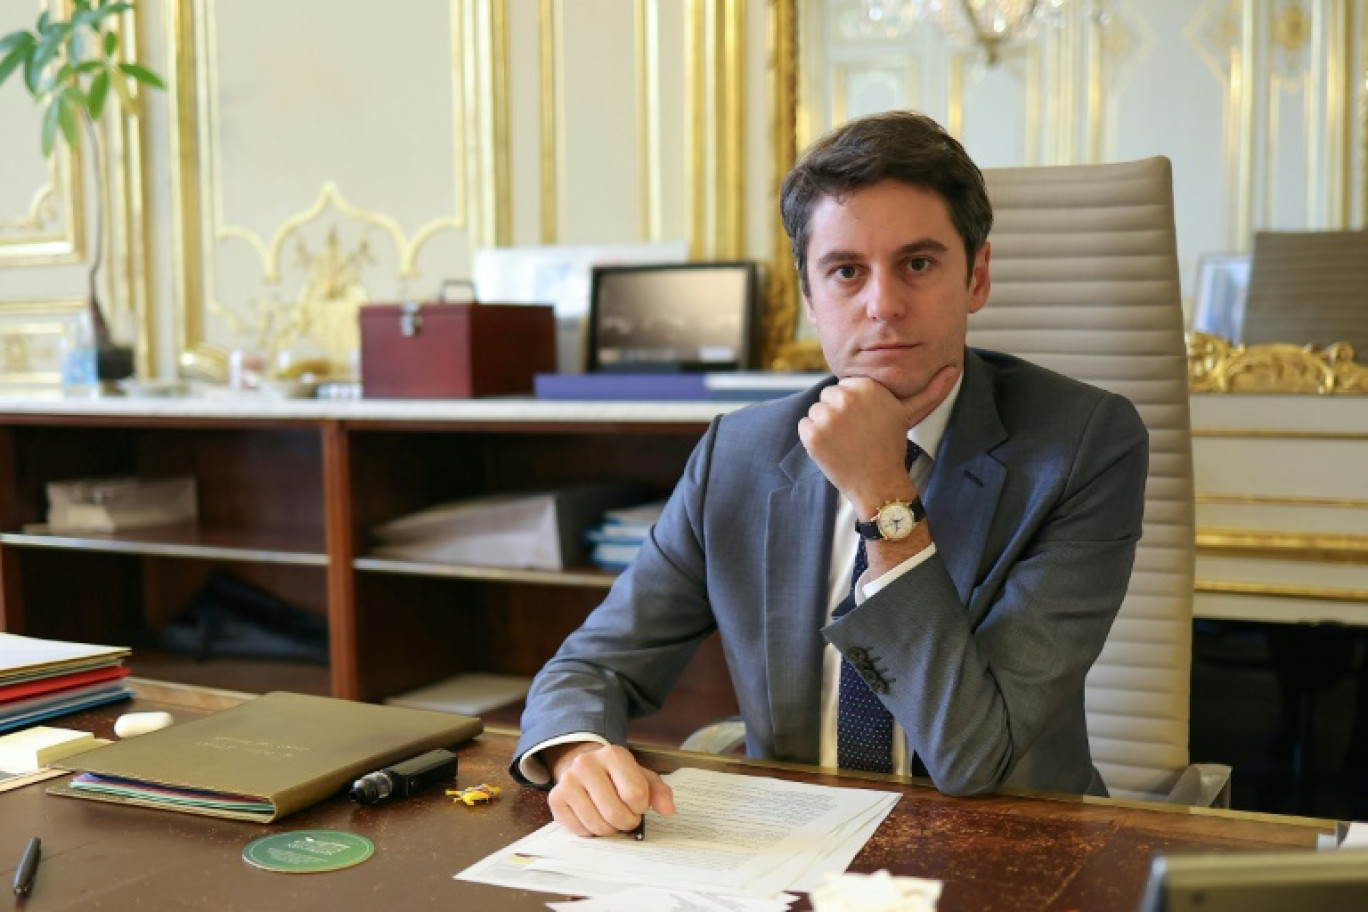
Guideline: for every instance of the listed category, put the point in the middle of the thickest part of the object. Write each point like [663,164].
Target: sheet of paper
[738,835]
[637,898]
[1356,837]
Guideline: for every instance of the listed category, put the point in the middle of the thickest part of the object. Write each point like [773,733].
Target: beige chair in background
[1085,282]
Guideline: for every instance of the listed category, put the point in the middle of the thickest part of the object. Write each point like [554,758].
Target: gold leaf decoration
[1217,366]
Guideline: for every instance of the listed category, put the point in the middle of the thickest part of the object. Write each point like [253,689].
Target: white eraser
[130,725]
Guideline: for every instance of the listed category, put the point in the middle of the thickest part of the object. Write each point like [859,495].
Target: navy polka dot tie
[864,727]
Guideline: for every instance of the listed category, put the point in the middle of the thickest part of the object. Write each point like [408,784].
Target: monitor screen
[681,316]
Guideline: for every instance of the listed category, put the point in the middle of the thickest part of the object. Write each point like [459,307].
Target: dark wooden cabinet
[287,498]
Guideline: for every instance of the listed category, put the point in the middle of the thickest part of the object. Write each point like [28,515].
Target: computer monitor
[1308,881]
[671,317]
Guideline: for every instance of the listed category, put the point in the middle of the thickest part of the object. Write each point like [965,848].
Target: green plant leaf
[43,22]
[91,18]
[50,117]
[90,66]
[42,56]
[111,43]
[67,120]
[120,83]
[19,52]
[75,98]
[142,74]
[13,40]
[99,90]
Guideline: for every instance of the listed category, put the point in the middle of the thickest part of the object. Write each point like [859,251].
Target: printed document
[739,835]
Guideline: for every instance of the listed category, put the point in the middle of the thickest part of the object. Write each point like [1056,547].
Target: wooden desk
[1002,853]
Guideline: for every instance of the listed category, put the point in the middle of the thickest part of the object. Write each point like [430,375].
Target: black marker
[28,867]
[639,831]
[403,779]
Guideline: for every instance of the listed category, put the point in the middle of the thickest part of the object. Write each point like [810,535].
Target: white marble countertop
[264,406]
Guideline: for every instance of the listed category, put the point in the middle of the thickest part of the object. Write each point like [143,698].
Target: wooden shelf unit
[286,504]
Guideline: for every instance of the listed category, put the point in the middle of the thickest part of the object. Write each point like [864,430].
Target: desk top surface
[1001,852]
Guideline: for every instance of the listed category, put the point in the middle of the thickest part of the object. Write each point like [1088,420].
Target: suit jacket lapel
[962,493]
[797,557]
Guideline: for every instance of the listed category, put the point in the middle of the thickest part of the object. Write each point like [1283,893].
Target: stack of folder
[40,679]
[614,543]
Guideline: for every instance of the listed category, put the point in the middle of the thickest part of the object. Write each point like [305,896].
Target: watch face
[895,522]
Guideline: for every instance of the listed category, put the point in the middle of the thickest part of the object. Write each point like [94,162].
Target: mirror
[1260,107]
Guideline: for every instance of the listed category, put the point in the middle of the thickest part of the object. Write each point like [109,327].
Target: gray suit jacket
[1034,502]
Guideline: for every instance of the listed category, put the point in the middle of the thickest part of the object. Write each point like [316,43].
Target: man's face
[888,286]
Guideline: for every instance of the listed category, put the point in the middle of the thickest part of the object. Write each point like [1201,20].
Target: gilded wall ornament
[1217,366]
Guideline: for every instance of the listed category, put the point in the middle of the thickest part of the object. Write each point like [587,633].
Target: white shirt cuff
[865,590]
[533,768]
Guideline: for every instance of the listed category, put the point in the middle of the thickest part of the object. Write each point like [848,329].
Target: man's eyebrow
[922,245]
[831,257]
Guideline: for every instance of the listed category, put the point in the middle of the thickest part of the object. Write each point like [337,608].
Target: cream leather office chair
[1085,282]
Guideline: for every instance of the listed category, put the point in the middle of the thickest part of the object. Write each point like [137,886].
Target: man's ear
[980,282]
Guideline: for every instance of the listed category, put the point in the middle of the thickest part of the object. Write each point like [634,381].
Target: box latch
[410,319]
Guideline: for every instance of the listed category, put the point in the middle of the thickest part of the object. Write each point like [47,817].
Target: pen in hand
[639,831]
[28,867]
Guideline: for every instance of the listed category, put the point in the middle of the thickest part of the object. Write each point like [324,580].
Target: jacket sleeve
[974,697]
[623,661]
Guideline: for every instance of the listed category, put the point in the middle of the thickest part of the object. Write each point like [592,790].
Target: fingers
[662,796]
[605,791]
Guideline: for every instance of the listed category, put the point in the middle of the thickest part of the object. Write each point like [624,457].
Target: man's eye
[846,273]
[919,264]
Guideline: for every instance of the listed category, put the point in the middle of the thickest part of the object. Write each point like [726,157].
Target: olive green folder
[262,759]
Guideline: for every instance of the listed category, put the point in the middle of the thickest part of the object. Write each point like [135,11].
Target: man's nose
[883,298]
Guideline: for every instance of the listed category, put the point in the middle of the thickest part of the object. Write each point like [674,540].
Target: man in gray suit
[912,566]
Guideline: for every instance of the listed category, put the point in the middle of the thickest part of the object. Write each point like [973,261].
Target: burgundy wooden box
[454,351]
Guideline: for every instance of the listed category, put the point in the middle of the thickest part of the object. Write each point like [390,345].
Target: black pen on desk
[28,867]
[639,831]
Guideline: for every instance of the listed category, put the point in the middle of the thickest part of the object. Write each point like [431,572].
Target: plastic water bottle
[79,358]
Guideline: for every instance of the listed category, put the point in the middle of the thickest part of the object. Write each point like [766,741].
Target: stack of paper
[539,530]
[616,541]
[467,694]
[115,504]
[40,679]
[733,835]
[37,747]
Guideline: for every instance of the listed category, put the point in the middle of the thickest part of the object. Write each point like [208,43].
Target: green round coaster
[308,851]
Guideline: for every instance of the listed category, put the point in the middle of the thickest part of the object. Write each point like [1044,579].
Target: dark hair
[897,145]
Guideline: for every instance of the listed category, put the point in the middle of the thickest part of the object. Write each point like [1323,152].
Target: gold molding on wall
[30,343]
[716,83]
[1265,500]
[1317,547]
[1217,366]
[549,30]
[1279,590]
[53,229]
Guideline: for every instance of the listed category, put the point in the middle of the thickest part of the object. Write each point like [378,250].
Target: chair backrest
[1085,282]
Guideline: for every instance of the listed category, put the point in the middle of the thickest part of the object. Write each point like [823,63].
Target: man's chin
[901,384]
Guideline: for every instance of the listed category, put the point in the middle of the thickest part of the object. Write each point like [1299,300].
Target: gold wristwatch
[894,521]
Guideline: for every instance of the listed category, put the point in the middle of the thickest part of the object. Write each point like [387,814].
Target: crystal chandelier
[988,24]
